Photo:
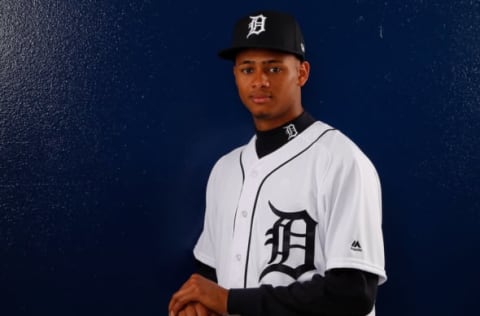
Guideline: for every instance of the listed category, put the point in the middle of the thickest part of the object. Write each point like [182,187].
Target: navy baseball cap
[267,30]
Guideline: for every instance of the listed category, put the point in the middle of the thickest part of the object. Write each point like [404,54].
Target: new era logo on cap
[266,30]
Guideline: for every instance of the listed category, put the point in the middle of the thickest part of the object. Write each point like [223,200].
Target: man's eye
[247,70]
[274,69]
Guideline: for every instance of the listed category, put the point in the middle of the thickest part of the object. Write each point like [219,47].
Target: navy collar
[269,141]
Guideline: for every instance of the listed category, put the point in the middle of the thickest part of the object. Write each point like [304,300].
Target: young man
[293,218]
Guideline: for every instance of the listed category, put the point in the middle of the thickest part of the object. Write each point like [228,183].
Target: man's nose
[260,80]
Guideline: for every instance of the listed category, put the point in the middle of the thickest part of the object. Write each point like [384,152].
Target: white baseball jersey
[310,206]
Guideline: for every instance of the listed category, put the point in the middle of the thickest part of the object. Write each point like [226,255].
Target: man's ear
[303,73]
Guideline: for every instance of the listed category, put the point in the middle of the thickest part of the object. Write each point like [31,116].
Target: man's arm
[206,271]
[341,291]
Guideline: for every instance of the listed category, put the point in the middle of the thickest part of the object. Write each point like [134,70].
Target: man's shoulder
[337,144]
[232,156]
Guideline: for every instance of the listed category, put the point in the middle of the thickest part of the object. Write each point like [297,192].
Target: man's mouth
[259,99]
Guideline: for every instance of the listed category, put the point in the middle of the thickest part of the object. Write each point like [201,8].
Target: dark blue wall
[113,112]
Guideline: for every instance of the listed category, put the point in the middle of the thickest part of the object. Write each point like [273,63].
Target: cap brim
[231,53]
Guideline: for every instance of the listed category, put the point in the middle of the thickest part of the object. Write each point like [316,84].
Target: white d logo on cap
[256,25]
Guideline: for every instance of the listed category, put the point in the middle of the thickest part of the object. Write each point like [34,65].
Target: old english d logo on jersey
[282,240]
[291,131]
[256,25]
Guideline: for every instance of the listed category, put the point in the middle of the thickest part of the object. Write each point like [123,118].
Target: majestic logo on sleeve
[293,231]
[256,25]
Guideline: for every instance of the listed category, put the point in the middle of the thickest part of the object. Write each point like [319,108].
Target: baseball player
[293,218]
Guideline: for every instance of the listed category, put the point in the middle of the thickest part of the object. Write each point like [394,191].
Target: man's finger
[189,310]
[180,299]
[170,304]
[201,310]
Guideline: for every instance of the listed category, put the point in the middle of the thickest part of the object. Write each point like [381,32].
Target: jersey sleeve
[204,250]
[353,206]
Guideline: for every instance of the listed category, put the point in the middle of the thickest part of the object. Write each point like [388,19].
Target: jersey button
[244,213]
[238,257]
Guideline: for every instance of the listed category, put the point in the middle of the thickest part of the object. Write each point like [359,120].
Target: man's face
[269,84]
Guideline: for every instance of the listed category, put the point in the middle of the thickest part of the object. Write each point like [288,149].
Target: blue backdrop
[113,112]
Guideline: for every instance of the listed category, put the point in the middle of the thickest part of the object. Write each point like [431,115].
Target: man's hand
[196,309]
[198,289]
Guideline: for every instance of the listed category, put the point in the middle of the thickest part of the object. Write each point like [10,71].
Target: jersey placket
[241,235]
